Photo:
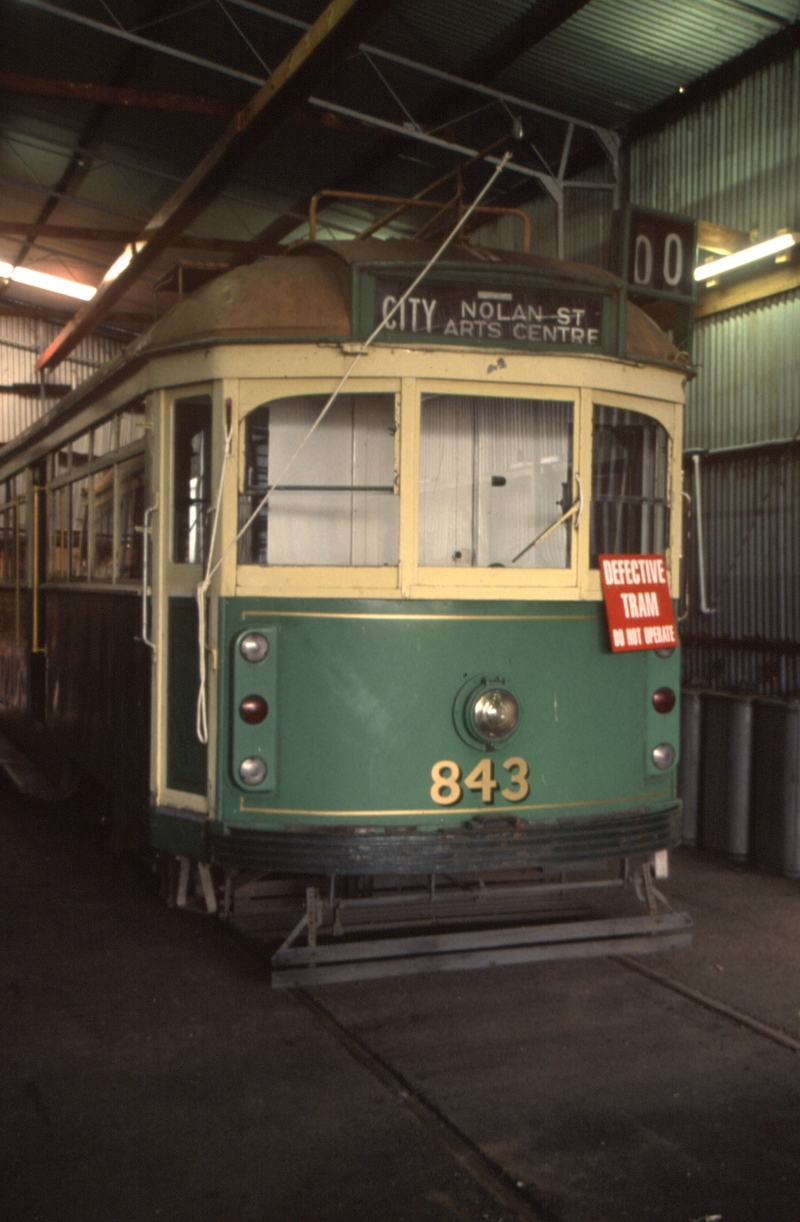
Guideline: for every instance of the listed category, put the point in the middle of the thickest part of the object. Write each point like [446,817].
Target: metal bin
[727,756]
[776,786]
[689,766]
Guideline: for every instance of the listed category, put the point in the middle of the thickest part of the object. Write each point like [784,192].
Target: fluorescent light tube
[749,255]
[41,280]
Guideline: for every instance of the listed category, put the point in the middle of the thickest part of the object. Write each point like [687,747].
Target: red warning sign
[638,605]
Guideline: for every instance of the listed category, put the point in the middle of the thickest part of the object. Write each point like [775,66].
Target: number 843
[447,789]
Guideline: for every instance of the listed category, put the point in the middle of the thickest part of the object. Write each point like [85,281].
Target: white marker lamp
[750,254]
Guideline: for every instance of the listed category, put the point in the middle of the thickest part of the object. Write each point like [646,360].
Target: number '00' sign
[672,269]
[661,252]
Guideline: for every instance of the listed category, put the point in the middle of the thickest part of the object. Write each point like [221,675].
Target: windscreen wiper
[571,512]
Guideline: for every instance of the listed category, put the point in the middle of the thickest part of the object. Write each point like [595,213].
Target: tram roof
[305,295]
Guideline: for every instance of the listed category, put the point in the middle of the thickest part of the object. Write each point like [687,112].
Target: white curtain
[494,473]
[337,507]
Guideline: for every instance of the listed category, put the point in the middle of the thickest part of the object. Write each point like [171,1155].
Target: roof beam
[375,52]
[530,28]
[110,95]
[84,233]
[78,163]
[335,33]
[775,47]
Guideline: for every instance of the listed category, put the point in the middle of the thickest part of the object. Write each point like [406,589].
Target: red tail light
[253,709]
[664,700]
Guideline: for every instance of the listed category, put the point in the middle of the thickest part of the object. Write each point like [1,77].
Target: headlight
[663,756]
[253,770]
[495,714]
[254,647]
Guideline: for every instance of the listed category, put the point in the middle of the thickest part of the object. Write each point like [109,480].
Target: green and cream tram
[407,660]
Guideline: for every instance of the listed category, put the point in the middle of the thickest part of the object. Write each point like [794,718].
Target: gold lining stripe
[440,810]
[380,615]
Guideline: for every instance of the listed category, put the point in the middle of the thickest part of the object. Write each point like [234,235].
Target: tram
[402,664]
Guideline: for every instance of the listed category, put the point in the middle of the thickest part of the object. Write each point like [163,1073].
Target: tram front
[410,670]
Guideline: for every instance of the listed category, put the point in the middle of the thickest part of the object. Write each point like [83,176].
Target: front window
[494,475]
[336,504]
[630,512]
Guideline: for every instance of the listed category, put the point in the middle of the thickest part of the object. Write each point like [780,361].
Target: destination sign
[510,316]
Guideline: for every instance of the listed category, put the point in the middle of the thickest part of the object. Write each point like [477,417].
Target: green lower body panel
[364,718]
[179,831]
[478,846]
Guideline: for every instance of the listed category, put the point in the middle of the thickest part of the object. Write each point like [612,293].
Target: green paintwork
[180,832]
[365,707]
[186,755]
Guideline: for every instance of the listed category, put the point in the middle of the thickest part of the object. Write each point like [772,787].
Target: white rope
[202,720]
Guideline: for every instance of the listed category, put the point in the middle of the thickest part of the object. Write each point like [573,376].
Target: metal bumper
[481,845]
[369,960]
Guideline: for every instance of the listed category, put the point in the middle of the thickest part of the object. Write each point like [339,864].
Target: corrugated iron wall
[736,162]
[748,384]
[750,642]
[21,342]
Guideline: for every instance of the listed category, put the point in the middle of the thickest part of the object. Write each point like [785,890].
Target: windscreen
[494,475]
[630,511]
[337,504]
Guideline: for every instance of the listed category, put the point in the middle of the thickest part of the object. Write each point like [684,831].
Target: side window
[336,505]
[8,544]
[95,501]
[191,478]
[131,515]
[630,512]
[103,513]
[59,533]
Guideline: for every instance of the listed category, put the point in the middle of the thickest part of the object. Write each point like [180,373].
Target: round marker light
[664,700]
[495,714]
[664,756]
[254,647]
[253,770]
[254,709]
[667,652]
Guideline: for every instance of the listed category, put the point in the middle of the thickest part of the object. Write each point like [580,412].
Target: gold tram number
[446,789]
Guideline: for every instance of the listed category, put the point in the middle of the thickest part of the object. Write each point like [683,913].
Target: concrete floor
[149,1072]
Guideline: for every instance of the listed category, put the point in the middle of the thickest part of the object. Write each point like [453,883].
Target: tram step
[369,960]
[23,776]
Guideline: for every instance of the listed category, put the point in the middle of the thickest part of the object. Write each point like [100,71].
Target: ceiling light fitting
[51,284]
[750,254]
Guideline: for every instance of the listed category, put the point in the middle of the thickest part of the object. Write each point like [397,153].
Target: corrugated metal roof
[616,58]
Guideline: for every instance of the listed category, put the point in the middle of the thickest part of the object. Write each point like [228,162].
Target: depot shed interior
[133,162]
[600,105]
